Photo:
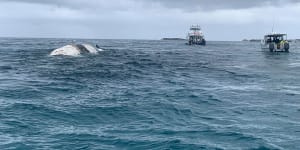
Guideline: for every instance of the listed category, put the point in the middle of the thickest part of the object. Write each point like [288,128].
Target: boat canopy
[275,35]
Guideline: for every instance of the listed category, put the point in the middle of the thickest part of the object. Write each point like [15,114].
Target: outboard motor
[286,47]
[271,47]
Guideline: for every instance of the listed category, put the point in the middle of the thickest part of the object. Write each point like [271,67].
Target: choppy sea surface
[140,94]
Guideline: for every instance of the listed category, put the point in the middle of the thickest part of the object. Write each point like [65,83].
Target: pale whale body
[75,50]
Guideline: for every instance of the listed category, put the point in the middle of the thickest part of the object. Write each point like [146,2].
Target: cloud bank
[147,19]
[191,5]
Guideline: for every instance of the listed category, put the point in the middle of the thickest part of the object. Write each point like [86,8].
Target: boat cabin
[276,38]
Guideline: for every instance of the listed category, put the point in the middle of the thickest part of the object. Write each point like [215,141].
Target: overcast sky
[148,19]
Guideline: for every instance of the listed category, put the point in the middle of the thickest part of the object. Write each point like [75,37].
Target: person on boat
[283,42]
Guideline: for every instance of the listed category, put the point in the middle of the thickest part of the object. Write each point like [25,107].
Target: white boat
[195,36]
[275,42]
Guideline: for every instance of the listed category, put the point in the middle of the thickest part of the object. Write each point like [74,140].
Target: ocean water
[140,94]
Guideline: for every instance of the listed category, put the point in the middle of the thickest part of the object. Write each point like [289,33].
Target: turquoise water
[140,94]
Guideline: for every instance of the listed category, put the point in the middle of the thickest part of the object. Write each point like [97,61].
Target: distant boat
[195,36]
[275,42]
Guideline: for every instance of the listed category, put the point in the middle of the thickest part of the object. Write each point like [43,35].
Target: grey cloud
[150,19]
[73,4]
[192,5]
[187,5]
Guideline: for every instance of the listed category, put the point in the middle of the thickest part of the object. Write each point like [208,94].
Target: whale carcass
[75,50]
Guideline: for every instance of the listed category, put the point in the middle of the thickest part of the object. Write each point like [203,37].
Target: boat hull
[202,42]
[273,47]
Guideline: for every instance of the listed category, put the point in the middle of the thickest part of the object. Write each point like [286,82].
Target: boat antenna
[273,25]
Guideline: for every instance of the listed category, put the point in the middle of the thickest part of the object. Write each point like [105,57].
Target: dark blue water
[148,95]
